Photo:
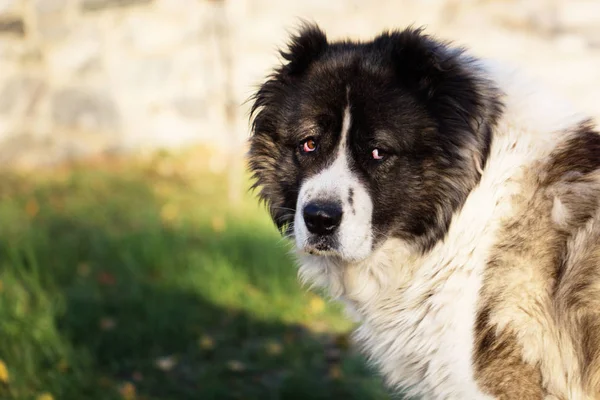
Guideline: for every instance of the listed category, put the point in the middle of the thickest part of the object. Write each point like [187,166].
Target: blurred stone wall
[83,77]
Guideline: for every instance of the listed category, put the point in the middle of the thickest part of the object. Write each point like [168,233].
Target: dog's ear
[266,145]
[444,80]
[423,65]
[304,48]
[464,106]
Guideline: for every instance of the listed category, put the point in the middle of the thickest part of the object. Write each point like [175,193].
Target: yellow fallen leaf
[1,286]
[3,372]
[127,391]
[289,337]
[107,324]
[206,342]
[316,305]
[62,365]
[274,348]
[137,376]
[166,363]
[105,382]
[44,396]
[335,372]
[236,366]
[83,269]
[32,208]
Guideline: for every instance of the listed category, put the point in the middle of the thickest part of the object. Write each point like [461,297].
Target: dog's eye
[309,145]
[377,154]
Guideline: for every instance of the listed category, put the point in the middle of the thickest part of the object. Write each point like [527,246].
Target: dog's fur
[470,254]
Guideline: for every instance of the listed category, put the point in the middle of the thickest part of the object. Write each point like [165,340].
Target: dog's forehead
[374,118]
[329,79]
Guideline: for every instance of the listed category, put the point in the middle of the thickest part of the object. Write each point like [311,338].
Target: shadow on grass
[100,294]
[184,347]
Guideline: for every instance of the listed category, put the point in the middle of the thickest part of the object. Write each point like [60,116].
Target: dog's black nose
[322,218]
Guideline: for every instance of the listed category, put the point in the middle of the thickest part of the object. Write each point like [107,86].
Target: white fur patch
[418,311]
[560,213]
[336,183]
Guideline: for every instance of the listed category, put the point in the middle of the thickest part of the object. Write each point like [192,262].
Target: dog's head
[354,142]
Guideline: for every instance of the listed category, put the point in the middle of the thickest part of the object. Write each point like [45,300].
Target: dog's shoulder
[539,309]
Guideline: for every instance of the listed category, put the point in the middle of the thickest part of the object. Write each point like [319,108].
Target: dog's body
[453,206]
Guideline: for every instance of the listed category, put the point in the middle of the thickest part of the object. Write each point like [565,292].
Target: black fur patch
[418,101]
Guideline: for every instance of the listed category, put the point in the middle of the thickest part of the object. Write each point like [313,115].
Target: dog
[450,202]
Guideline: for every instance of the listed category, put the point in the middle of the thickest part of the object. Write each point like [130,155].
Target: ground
[133,279]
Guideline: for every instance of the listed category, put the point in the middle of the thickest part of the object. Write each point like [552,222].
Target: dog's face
[355,143]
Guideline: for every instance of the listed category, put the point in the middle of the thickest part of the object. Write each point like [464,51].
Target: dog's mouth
[322,246]
[329,247]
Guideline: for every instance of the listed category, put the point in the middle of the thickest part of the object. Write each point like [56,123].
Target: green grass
[137,275]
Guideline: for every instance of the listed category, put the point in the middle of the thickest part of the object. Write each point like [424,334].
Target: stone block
[12,25]
[53,28]
[49,6]
[152,33]
[8,6]
[97,5]
[84,109]
[193,108]
[143,76]
[78,51]
[20,94]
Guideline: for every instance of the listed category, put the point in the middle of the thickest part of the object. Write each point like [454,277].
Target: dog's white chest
[416,321]
[424,340]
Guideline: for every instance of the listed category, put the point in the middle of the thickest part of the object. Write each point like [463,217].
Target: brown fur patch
[578,301]
[501,371]
[516,289]
[538,328]
[579,155]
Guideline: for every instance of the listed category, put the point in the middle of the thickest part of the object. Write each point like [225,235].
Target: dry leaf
[104,382]
[3,372]
[289,337]
[57,203]
[206,342]
[165,363]
[106,278]
[83,269]
[274,348]
[137,376]
[127,391]
[107,324]
[44,396]
[236,366]
[335,372]
[62,365]
[32,208]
